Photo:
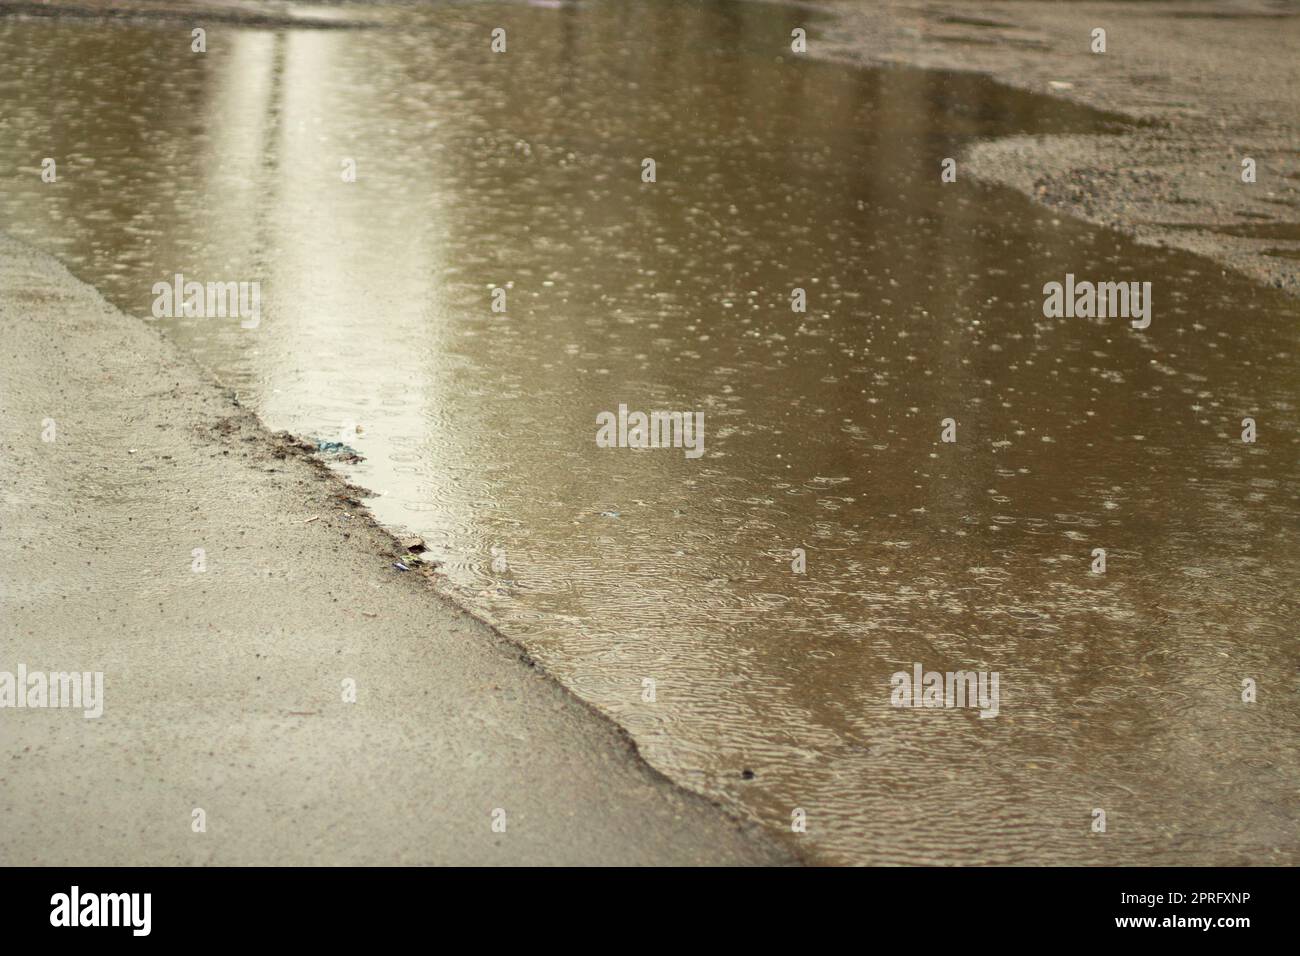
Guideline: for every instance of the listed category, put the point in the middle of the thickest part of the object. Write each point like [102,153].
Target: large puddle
[772,689]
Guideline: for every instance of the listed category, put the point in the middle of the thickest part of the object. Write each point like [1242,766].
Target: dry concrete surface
[224,687]
[1208,83]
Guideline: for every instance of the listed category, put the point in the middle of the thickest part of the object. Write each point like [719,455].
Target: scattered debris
[413,544]
[339,451]
[400,566]
[311,519]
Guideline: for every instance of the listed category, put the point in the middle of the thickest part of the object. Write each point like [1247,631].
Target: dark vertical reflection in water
[822,429]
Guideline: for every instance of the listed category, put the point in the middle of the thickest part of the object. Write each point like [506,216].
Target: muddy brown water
[1119,691]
